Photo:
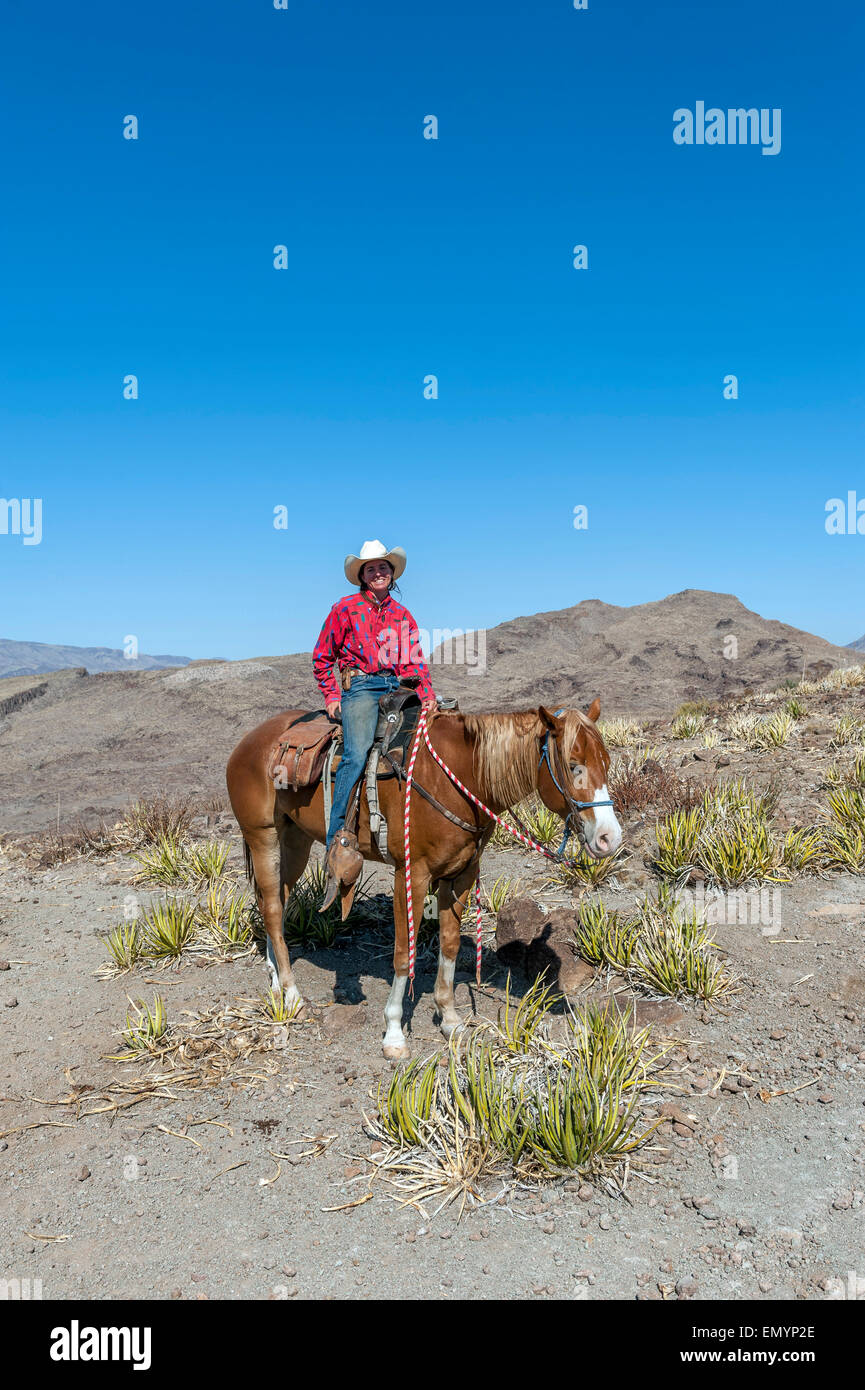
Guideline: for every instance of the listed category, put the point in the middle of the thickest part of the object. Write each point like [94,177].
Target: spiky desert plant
[663,945]
[124,945]
[167,927]
[145,1026]
[711,738]
[503,888]
[772,732]
[518,1023]
[162,860]
[275,1007]
[552,1108]
[804,850]
[543,825]
[741,724]
[223,915]
[584,871]
[621,733]
[687,725]
[795,708]
[852,776]
[727,835]
[848,731]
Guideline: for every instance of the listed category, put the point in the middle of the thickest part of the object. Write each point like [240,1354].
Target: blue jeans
[359,718]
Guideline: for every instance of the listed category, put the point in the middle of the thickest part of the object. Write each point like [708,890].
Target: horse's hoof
[451,1026]
[396,1052]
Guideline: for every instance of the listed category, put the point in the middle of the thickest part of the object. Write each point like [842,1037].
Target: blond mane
[506,750]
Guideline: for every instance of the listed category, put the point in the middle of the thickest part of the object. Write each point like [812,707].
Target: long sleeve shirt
[372,637]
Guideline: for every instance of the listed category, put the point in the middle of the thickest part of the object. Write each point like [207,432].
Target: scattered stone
[517,925]
[4,965]
[12,1003]
[686,1288]
[84,1174]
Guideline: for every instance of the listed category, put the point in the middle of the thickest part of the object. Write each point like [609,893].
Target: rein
[522,834]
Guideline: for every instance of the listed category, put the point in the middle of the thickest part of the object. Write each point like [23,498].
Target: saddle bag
[298,758]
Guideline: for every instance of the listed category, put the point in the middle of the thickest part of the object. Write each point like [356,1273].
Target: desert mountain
[858,646]
[79,744]
[644,659]
[38,658]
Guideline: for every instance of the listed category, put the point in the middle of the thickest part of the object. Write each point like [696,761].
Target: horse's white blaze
[605,822]
[394,1036]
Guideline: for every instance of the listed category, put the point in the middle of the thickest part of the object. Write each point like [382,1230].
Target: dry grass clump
[153,818]
[636,784]
[512,1104]
[727,837]
[663,946]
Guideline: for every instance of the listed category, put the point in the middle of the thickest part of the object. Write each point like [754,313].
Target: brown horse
[501,758]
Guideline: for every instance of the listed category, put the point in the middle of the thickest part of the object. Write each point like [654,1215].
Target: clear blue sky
[407,257]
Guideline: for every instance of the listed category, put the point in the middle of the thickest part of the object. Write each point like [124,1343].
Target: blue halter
[574,805]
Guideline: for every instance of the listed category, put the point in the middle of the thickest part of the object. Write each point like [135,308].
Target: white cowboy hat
[374,550]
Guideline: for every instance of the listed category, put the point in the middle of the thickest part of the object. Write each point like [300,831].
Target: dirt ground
[744,1197]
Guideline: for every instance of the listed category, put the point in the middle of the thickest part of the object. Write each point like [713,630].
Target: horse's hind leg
[267,849]
[452,896]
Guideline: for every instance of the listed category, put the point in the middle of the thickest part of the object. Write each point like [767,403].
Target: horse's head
[572,777]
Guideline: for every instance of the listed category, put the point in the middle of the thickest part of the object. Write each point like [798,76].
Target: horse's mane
[506,750]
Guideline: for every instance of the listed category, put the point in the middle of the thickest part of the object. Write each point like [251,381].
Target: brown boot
[344,862]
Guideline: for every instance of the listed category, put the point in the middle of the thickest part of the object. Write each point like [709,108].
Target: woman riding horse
[375,644]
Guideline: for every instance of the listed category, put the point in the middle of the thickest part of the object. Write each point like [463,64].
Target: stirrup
[344,862]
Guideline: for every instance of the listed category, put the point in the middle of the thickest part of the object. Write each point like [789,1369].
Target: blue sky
[407,256]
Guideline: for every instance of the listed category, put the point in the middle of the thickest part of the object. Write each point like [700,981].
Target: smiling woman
[374,642]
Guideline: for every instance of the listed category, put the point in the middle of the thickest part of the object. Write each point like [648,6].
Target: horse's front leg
[452,895]
[394,1044]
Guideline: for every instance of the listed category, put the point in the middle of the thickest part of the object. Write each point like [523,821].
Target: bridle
[574,807]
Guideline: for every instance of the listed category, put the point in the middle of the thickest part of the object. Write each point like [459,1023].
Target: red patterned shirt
[372,637]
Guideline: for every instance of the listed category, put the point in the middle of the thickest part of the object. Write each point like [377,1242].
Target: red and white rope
[422,731]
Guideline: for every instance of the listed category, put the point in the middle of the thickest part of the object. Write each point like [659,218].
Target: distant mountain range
[99,741]
[858,646]
[37,658]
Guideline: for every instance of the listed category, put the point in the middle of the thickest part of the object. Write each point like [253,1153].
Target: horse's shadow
[363,949]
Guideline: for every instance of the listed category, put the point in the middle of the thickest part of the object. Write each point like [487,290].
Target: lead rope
[422,731]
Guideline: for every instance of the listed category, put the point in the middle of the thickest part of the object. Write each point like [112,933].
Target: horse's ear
[593,711]
[549,720]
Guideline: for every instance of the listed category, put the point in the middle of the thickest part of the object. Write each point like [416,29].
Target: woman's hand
[333,707]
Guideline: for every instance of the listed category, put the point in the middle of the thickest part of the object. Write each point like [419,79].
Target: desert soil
[754,1187]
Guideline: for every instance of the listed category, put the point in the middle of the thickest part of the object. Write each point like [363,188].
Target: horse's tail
[250,870]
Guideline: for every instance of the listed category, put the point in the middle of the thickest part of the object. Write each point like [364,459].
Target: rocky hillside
[93,742]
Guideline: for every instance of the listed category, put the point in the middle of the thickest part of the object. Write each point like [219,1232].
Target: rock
[342,1018]
[605,1221]
[84,1174]
[4,965]
[12,1003]
[517,925]
[686,1288]
[826,1099]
